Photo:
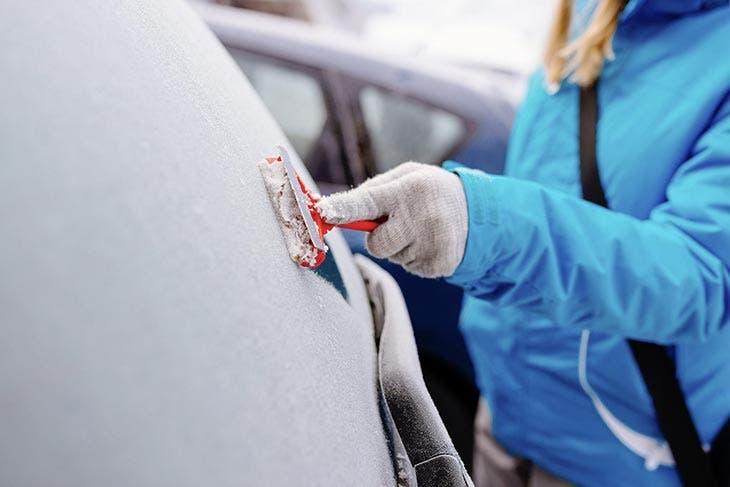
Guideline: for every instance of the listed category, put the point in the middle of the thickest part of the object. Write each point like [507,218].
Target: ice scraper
[293,203]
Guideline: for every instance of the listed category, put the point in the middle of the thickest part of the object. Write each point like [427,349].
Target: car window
[296,98]
[150,294]
[402,129]
[330,271]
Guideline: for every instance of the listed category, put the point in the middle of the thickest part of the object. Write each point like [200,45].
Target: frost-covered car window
[402,129]
[153,328]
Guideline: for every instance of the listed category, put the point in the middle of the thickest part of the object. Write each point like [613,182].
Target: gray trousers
[494,467]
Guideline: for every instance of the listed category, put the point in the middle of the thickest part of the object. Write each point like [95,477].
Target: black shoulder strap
[657,367]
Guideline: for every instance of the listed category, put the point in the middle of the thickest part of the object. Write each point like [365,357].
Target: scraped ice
[293,228]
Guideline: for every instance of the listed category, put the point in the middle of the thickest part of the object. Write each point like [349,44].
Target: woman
[556,284]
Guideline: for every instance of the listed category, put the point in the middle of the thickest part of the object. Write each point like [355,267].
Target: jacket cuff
[483,201]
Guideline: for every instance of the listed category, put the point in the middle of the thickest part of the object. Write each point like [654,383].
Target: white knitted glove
[427,217]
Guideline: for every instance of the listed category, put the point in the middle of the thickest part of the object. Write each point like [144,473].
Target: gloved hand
[427,217]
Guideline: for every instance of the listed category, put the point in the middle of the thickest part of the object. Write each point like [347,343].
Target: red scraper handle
[324,227]
[362,225]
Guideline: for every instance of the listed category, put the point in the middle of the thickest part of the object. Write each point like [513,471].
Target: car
[354,112]
[153,329]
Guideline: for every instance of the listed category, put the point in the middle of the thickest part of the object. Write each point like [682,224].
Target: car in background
[153,328]
[353,112]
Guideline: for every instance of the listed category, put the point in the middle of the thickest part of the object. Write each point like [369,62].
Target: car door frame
[355,136]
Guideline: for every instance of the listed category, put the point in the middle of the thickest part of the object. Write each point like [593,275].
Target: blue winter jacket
[557,284]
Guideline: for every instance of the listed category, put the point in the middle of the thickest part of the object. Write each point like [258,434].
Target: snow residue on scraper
[298,243]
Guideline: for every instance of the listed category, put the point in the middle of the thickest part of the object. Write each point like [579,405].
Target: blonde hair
[582,58]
